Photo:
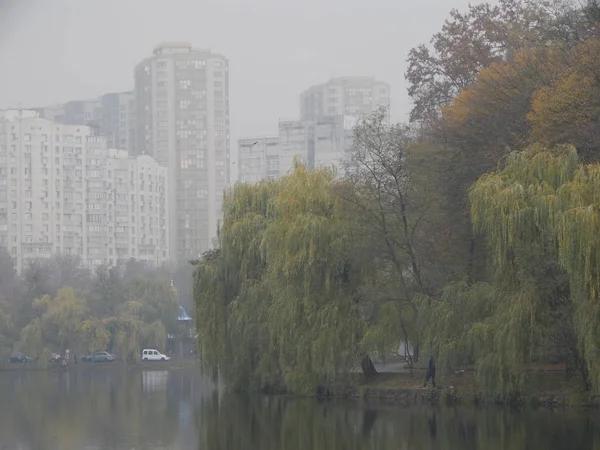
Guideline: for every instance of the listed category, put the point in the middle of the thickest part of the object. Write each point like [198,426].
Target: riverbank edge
[448,396]
[154,365]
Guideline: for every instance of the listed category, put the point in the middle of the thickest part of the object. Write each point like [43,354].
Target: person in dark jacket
[430,372]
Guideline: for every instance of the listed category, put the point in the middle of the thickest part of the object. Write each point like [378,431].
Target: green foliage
[277,303]
[120,309]
[546,198]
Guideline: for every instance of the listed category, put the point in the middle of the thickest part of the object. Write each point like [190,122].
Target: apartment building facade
[182,117]
[296,140]
[117,120]
[258,159]
[333,142]
[112,115]
[63,192]
[344,96]
[326,143]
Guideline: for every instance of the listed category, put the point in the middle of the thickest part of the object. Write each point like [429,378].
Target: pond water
[131,409]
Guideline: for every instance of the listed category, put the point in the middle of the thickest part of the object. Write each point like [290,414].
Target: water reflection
[121,409]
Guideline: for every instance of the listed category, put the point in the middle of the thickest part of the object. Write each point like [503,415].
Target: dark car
[103,357]
[19,358]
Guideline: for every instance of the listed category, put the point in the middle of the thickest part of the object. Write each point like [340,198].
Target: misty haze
[299,225]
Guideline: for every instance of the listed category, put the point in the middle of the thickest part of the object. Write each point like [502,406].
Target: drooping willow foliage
[540,216]
[277,303]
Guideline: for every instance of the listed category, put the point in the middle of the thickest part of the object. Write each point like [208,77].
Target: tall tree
[567,110]
[278,303]
[471,41]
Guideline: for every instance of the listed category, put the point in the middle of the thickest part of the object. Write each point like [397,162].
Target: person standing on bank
[430,372]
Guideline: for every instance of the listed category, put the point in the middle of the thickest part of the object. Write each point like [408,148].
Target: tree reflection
[70,410]
[270,423]
[127,409]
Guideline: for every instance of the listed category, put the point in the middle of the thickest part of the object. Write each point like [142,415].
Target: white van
[149,354]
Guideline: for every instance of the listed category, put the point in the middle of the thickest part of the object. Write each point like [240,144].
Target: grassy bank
[543,387]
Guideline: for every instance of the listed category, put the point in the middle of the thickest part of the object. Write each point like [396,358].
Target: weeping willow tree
[540,218]
[238,346]
[277,302]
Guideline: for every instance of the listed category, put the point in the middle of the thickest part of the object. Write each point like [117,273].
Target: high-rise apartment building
[333,141]
[322,143]
[296,142]
[346,96]
[258,159]
[182,118]
[117,120]
[112,115]
[82,112]
[62,191]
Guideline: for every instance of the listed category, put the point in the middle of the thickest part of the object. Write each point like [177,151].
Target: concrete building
[117,120]
[55,113]
[83,112]
[333,141]
[258,159]
[62,191]
[349,96]
[296,142]
[182,116]
[322,143]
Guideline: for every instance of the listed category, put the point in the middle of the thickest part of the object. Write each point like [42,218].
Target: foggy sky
[52,51]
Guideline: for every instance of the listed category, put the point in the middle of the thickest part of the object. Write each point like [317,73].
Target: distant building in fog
[182,118]
[62,191]
[112,116]
[321,137]
[117,120]
[296,142]
[258,159]
[324,142]
[333,141]
[349,96]
[82,112]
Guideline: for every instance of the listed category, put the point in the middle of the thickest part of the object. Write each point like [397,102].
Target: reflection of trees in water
[282,424]
[106,407]
[110,409]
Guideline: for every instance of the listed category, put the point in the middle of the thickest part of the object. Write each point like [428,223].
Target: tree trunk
[470,277]
[367,366]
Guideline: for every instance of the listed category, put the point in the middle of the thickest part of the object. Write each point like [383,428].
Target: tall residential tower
[182,118]
[62,191]
[346,96]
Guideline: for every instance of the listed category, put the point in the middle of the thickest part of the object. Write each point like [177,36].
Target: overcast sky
[52,51]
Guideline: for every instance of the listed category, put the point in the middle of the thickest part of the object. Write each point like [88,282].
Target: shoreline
[118,365]
[389,389]
[543,390]
[452,398]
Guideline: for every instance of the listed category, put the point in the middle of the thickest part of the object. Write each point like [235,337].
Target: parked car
[103,357]
[19,358]
[150,354]
[87,358]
